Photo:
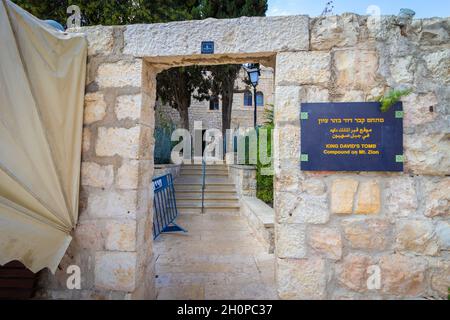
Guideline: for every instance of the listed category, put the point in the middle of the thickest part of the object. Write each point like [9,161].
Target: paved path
[218,258]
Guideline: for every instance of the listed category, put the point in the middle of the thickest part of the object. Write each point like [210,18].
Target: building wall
[332,229]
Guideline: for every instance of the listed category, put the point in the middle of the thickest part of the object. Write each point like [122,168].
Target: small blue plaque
[207,47]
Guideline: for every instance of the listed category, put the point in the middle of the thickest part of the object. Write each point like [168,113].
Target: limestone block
[334,31]
[303,68]
[128,175]
[416,236]
[352,272]
[370,234]
[355,69]
[112,204]
[120,235]
[100,40]
[326,241]
[301,208]
[291,240]
[403,276]
[86,140]
[88,235]
[286,180]
[287,142]
[368,200]
[146,143]
[120,74]
[314,186]
[417,109]
[286,104]
[128,107]
[402,69]
[301,278]
[440,279]
[400,196]
[353,96]
[443,234]
[269,34]
[95,175]
[121,141]
[94,107]
[437,197]
[115,270]
[342,195]
[434,31]
[438,63]
[427,153]
[314,94]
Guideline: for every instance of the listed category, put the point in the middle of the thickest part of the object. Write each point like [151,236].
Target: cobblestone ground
[219,258]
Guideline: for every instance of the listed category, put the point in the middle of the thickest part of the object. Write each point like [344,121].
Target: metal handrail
[203,183]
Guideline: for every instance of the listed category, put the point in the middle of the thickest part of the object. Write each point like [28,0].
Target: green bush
[264,182]
[392,97]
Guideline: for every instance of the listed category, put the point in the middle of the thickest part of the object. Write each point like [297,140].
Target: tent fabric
[42,79]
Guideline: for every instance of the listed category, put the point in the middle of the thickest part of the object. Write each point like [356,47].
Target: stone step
[199,172]
[223,211]
[197,196]
[207,175]
[217,188]
[208,180]
[208,166]
[208,203]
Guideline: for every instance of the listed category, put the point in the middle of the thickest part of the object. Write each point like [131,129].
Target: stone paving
[219,258]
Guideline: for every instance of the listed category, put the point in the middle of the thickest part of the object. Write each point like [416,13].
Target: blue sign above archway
[351,137]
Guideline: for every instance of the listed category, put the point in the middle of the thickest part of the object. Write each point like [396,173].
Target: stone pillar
[113,239]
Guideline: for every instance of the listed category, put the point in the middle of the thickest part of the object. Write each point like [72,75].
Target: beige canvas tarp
[42,78]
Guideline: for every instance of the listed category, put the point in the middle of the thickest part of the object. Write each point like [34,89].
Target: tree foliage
[114,12]
[392,97]
[176,87]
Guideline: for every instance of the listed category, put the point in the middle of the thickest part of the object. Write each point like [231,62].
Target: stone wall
[112,243]
[331,228]
[260,218]
[244,178]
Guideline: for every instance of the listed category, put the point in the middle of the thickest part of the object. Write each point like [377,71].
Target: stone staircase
[220,192]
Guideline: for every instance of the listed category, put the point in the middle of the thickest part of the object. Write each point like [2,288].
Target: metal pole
[254,111]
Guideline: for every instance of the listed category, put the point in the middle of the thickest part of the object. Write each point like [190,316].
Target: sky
[423,8]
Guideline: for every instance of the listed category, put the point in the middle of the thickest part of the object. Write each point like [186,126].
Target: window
[248,98]
[260,99]
[214,103]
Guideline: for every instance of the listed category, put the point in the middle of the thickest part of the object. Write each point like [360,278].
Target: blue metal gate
[164,206]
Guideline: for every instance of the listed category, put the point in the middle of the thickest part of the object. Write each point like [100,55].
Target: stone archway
[319,251]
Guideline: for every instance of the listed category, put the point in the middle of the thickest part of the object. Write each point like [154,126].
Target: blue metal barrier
[164,206]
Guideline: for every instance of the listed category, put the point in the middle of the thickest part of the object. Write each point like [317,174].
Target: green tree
[114,12]
[176,86]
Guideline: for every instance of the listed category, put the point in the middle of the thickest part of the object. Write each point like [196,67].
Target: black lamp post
[253,72]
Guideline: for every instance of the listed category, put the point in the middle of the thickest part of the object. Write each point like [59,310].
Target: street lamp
[253,72]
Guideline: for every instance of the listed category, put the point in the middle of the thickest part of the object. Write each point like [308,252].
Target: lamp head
[253,72]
